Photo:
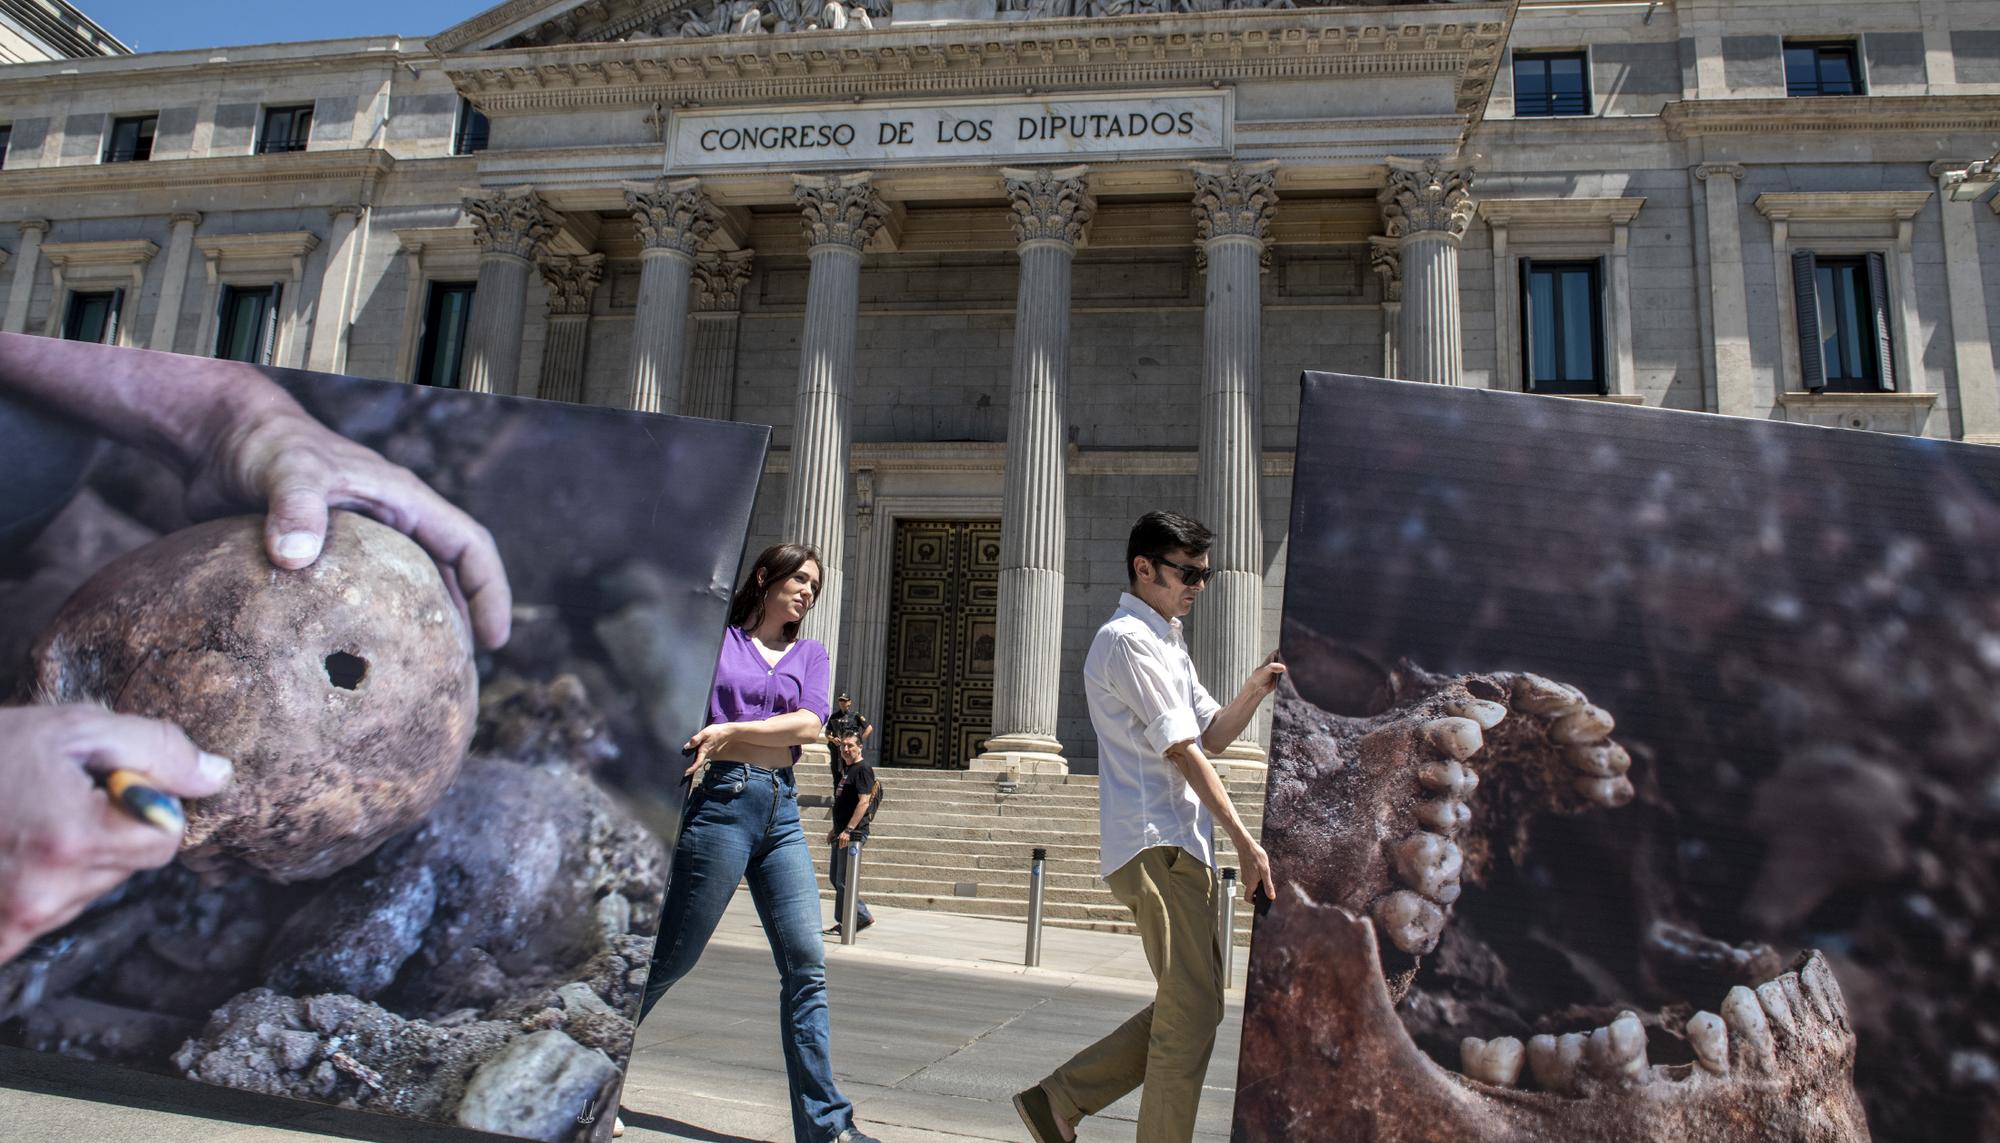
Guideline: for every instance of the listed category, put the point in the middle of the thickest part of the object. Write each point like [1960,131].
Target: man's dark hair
[1158,533]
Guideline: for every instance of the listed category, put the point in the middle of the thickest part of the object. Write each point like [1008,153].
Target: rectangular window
[131,139]
[6,140]
[1843,317]
[470,133]
[93,316]
[1551,83]
[1562,327]
[285,129]
[1821,69]
[441,356]
[248,327]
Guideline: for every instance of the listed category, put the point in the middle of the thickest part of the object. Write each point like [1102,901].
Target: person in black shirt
[845,723]
[855,800]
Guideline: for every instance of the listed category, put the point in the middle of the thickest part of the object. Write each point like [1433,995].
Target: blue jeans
[743,821]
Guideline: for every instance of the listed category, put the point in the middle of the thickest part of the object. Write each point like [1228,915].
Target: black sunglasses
[1191,575]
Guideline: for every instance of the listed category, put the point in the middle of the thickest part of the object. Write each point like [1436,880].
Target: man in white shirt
[1157,800]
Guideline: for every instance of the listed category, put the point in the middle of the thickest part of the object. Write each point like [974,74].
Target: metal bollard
[1225,908]
[851,880]
[1036,874]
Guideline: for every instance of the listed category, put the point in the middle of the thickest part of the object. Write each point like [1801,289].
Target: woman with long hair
[771,696]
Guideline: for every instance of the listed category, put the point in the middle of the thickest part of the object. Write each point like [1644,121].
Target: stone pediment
[531,24]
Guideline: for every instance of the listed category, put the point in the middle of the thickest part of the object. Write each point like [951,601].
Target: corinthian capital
[1235,200]
[512,222]
[1428,198]
[672,214]
[840,210]
[1385,257]
[719,279]
[571,282]
[1050,203]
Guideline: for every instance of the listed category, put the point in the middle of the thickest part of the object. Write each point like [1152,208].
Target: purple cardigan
[747,688]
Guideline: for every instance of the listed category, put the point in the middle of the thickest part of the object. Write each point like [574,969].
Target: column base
[1019,754]
[1241,758]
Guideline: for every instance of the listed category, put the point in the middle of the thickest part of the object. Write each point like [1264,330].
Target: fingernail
[216,768]
[299,546]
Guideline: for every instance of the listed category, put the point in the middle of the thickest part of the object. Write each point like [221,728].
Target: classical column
[1387,261]
[1428,206]
[571,282]
[512,226]
[173,281]
[719,279]
[1728,302]
[841,213]
[27,260]
[337,288]
[1233,205]
[673,218]
[1971,333]
[1052,210]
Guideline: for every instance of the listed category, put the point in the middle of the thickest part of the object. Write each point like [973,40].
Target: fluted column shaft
[27,260]
[173,281]
[711,369]
[1233,206]
[841,212]
[673,219]
[571,282]
[1428,206]
[1430,326]
[1052,209]
[511,227]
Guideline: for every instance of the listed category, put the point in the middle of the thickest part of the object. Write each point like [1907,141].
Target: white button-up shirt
[1143,698]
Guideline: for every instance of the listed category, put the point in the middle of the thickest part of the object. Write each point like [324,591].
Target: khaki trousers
[1167,1045]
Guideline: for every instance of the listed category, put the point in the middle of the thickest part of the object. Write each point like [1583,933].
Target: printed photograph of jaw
[433,886]
[1637,776]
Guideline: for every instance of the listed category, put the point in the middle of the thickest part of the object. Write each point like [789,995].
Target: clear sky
[172,25]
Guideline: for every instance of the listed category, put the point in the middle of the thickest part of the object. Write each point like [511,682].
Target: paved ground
[935,1023]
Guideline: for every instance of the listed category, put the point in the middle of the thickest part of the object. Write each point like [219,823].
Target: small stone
[537,1087]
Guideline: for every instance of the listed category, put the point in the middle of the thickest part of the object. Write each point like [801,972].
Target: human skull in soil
[344,692]
[1378,1010]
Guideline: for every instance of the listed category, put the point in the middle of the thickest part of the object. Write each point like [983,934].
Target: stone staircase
[952,841]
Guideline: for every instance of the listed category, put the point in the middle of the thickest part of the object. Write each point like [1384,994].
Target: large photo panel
[1637,776]
[432,885]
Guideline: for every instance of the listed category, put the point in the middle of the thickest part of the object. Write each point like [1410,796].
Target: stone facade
[833,230]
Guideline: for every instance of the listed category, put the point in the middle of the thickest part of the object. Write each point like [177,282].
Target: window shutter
[269,349]
[111,317]
[1526,295]
[1805,290]
[1878,300]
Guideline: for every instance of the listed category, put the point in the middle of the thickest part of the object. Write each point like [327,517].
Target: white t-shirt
[1143,698]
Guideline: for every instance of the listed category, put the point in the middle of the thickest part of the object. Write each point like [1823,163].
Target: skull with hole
[1386,1004]
[344,692]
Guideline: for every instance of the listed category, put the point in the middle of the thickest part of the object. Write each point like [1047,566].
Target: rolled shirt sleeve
[1141,681]
[815,680]
[1205,706]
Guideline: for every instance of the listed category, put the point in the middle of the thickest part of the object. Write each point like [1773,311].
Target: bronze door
[943,600]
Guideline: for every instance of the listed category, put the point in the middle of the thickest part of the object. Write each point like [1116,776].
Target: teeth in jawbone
[1599,759]
[1589,724]
[1612,792]
[1538,695]
[1749,1032]
[1449,778]
[1710,1041]
[1822,991]
[1486,714]
[1618,1050]
[1777,1007]
[1443,815]
[1428,863]
[1410,922]
[1553,1061]
[1497,1062]
[1456,737]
